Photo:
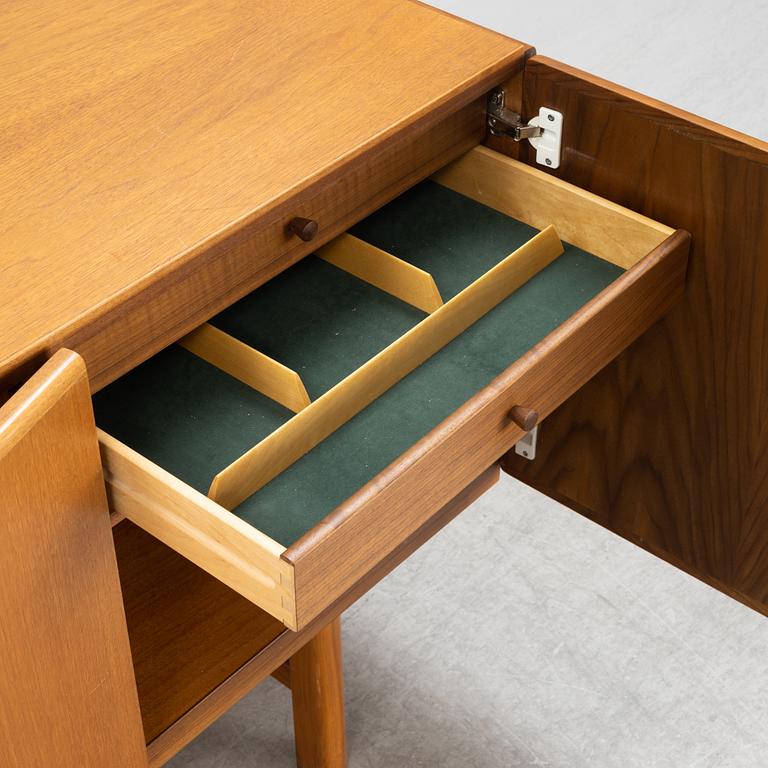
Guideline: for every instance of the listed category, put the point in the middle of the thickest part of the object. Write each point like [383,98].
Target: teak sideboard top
[137,141]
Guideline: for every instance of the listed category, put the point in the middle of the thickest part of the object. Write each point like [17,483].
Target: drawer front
[291,478]
[333,557]
[175,303]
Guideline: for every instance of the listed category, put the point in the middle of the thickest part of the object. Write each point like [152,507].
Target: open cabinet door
[668,445]
[67,691]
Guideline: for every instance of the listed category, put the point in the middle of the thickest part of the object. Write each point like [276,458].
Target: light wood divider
[213,538]
[248,365]
[309,427]
[587,221]
[382,269]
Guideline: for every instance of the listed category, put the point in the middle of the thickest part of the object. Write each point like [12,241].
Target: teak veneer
[166,170]
[67,693]
[144,196]
[667,445]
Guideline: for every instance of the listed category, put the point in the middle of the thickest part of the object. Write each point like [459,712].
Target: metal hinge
[544,131]
[505,122]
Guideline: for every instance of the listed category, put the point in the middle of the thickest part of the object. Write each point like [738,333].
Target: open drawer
[295,441]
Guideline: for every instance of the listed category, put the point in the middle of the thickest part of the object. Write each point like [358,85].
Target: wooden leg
[317,686]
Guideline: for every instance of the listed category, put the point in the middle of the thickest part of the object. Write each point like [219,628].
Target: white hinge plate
[548,144]
[545,131]
[526,446]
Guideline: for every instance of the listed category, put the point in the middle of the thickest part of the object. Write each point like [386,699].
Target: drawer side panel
[211,537]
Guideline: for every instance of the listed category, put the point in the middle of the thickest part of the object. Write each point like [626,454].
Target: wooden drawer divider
[248,365]
[312,425]
[385,271]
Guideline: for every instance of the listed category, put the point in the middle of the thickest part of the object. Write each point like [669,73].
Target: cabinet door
[668,445]
[67,690]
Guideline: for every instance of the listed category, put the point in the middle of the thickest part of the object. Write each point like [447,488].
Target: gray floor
[523,635]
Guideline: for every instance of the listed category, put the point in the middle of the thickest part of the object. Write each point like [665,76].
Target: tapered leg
[317,686]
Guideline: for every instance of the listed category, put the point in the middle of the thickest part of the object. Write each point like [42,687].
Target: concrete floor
[523,635]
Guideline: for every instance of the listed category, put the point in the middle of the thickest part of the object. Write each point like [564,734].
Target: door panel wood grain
[67,691]
[668,445]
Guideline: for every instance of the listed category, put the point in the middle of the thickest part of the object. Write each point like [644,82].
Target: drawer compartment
[294,441]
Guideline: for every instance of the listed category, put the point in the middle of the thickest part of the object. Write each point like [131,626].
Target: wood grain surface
[67,691]
[136,137]
[668,446]
[271,657]
[139,326]
[317,688]
[335,554]
[233,551]
[188,630]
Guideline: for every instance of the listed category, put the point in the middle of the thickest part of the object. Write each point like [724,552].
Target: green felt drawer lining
[334,322]
[319,321]
[193,420]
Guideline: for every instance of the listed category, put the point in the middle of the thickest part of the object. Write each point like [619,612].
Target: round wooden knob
[525,418]
[306,229]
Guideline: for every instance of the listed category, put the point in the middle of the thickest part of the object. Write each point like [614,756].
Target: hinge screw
[548,161]
[551,118]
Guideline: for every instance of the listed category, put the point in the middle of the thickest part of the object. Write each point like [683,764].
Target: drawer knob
[525,418]
[306,229]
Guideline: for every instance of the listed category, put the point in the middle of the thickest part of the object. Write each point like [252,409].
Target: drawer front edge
[335,554]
